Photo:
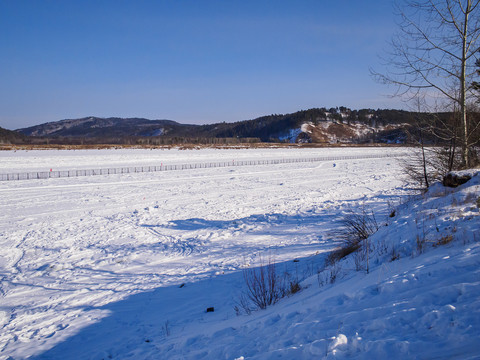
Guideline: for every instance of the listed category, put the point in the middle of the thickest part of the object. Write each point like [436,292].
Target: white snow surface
[306,127]
[44,160]
[125,266]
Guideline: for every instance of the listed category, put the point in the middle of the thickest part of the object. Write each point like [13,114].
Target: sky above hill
[187,60]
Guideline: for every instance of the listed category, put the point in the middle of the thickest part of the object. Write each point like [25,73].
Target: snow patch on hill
[306,128]
[332,132]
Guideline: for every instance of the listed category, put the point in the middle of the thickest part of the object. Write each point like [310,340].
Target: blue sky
[192,61]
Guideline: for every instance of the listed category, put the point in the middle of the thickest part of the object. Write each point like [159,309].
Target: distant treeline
[155,140]
[270,128]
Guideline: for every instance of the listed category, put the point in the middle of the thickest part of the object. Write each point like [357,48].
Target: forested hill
[318,125]
[11,137]
[279,126]
[101,127]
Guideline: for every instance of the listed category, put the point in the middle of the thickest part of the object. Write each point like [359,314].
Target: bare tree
[433,56]
[431,163]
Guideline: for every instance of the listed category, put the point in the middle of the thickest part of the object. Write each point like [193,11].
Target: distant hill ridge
[100,127]
[11,137]
[317,125]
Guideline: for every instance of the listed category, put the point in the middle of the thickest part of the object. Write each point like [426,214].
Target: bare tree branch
[433,55]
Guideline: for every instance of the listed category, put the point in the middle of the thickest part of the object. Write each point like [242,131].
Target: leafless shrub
[321,276]
[293,287]
[360,258]
[421,239]
[244,305]
[444,240]
[358,226]
[421,244]
[381,248]
[334,271]
[395,255]
[309,270]
[328,275]
[292,281]
[263,287]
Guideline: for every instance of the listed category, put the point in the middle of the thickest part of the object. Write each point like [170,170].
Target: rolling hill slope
[307,126]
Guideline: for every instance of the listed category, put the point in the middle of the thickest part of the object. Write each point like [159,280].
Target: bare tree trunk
[452,154]
[463,87]
[424,161]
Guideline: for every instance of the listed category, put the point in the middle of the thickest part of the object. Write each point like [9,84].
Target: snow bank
[417,301]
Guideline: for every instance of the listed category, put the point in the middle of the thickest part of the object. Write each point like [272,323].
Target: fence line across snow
[139,169]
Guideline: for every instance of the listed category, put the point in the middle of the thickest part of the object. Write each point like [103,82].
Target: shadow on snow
[143,322]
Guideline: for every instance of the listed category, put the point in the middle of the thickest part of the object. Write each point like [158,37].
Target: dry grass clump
[356,228]
[444,240]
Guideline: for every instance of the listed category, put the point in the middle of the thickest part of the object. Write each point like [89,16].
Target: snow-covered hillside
[333,132]
[125,266]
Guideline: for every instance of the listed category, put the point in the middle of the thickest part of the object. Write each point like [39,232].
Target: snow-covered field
[29,161]
[125,266]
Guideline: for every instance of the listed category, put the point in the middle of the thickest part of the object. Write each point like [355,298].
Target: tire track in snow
[178,246]
[32,198]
